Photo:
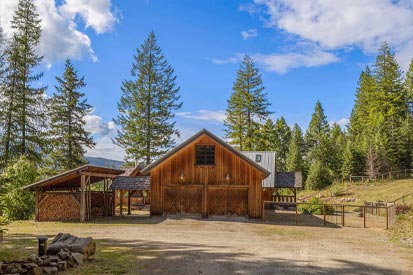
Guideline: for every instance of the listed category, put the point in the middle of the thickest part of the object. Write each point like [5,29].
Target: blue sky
[306,50]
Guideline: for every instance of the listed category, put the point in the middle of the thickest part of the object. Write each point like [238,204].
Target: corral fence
[392,175]
[333,215]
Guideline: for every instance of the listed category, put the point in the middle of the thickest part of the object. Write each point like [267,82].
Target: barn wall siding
[226,162]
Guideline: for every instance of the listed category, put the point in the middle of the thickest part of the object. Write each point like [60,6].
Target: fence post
[364,216]
[263,212]
[324,214]
[350,180]
[382,178]
[342,215]
[296,213]
[387,216]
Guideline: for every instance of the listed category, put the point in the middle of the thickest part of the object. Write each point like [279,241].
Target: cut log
[84,246]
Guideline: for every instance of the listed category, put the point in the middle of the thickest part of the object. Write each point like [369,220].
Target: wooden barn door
[227,200]
[183,199]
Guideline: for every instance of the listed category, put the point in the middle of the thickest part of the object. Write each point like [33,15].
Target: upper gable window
[258,158]
[205,155]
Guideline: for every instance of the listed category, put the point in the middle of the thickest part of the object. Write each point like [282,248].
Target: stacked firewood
[59,207]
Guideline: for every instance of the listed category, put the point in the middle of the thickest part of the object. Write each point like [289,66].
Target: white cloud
[105,149]
[342,24]
[342,122]
[96,125]
[249,34]
[282,63]
[213,116]
[61,36]
[303,55]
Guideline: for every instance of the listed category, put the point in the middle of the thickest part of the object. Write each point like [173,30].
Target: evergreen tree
[246,106]
[317,140]
[22,112]
[266,136]
[407,127]
[294,160]
[282,143]
[2,93]
[68,107]
[147,104]
[391,97]
[317,136]
[338,144]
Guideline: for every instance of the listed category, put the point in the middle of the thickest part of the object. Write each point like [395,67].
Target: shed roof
[131,183]
[148,168]
[288,180]
[72,178]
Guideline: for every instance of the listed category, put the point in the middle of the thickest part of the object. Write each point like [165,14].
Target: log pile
[98,204]
[65,251]
[59,207]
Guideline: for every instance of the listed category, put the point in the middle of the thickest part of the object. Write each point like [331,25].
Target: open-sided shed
[204,175]
[133,185]
[68,196]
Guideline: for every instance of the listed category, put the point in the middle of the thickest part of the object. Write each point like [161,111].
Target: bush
[315,206]
[403,209]
[15,203]
[319,176]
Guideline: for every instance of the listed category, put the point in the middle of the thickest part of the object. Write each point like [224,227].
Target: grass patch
[402,230]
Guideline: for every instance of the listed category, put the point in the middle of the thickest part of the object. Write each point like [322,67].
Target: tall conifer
[147,105]
[68,107]
[246,106]
[295,154]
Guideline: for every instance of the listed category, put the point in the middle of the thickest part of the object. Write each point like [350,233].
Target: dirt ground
[235,246]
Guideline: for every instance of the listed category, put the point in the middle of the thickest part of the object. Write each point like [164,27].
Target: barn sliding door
[183,199]
[227,200]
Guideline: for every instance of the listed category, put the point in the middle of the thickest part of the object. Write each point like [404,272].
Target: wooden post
[129,194]
[296,213]
[350,180]
[36,214]
[113,203]
[82,197]
[387,217]
[324,214]
[263,208]
[342,214]
[364,216]
[121,202]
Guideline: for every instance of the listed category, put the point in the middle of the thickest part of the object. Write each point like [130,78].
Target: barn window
[205,155]
[258,158]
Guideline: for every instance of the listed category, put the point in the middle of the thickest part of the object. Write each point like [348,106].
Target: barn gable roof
[148,168]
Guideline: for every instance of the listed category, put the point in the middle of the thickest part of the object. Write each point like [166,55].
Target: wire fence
[333,215]
[388,176]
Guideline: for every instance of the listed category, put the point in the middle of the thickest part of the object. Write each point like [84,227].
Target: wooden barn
[206,176]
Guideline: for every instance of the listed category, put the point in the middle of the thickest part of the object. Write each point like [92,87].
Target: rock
[54,259]
[62,265]
[46,261]
[78,258]
[50,270]
[63,254]
[32,258]
[39,262]
[53,264]
[36,270]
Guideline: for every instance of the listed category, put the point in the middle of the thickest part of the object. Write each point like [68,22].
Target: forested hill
[103,162]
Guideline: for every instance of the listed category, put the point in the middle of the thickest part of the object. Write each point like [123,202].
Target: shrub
[403,209]
[15,203]
[319,176]
[315,206]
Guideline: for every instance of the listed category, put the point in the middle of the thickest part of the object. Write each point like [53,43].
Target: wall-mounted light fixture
[182,176]
[228,177]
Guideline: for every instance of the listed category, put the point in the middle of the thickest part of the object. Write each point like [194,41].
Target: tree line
[39,135]
[378,138]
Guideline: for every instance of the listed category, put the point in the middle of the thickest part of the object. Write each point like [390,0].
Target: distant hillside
[104,162]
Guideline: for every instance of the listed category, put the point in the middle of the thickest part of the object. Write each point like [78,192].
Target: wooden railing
[284,198]
[392,175]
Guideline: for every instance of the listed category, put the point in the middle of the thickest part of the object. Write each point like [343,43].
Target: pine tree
[407,127]
[68,107]
[294,160]
[317,140]
[266,136]
[391,97]
[147,104]
[246,106]
[282,143]
[22,114]
[317,136]
[2,93]
[338,144]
